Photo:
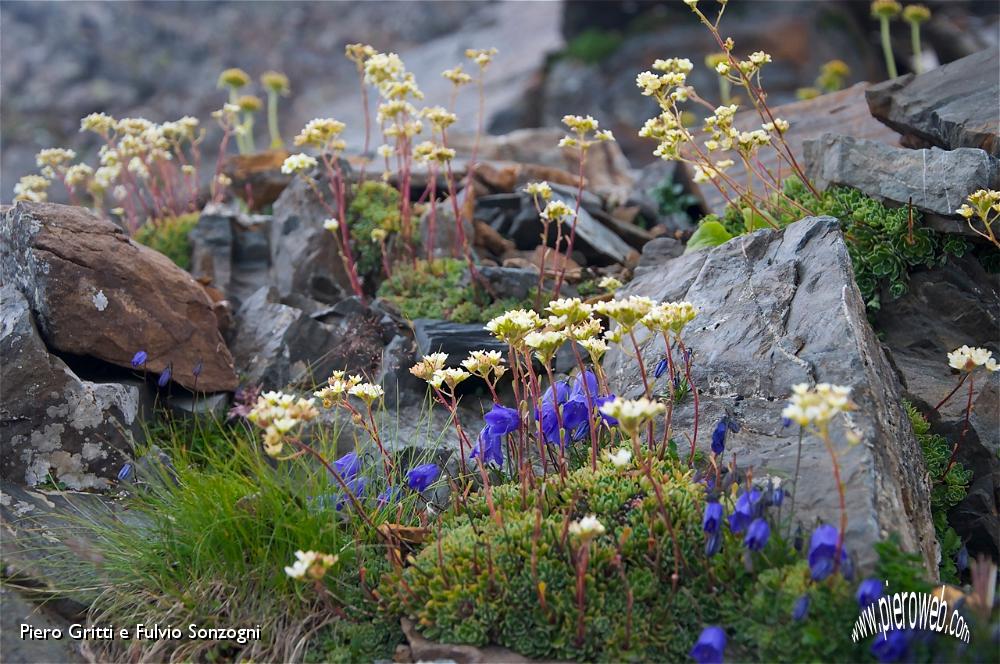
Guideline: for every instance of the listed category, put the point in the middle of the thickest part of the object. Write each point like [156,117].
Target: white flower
[817,405]
[331,225]
[967,359]
[367,392]
[633,413]
[621,458]
[298,162]
[587,528]
[310,564]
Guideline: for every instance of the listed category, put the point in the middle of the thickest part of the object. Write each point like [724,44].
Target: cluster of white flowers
[32,188]
[609,283]
[310,565]
[969,359]
[633,413]
[539,191]
[280,415]
[627,312]
[298,163]
[669,316]
[817,405]
[583,126]
[322,133]
[984,205]
[511,326]
[587,528]
[485,363]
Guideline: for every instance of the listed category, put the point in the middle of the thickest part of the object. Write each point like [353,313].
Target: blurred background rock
[61,61]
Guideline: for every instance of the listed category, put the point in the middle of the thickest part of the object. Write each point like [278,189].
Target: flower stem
[272,120]
[890,60]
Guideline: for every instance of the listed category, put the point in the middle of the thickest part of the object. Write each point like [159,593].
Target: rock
[843,112]
[257,178]
[508,282]
[455,339]
[951,306]
[489,239]
[953,106]
[54,422]
[304,255]
[660,250]
[606,170]
[446,241]
[277,345]
[212,246]
[19,611]
[212,406]
[777,309]
[937,181]
[401,387]
[424,650]
[96,293]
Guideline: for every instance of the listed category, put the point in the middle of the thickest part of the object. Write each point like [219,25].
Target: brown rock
[488,238]
[96,293]
[257,178]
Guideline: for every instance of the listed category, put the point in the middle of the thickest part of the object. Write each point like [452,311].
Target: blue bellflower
[165,376]
[489,445]
[139,359]
[661,367]
[348,465]
[869,591]
[713,517]
[758,533]
[822,550]
[745,511]
[891,647]
[719,437]
[710,647]
[422,476]
[801,608]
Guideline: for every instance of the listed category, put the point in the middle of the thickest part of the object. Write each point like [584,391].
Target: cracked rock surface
[778,308]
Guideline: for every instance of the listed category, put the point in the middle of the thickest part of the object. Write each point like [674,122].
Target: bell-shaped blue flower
[502,420]
[719,437]
[422,476]
[892,646]
[713,517]
[869,591]
[139,359]
[165,376]
[713,543]
[661,367]
[600,401]
[745,510]
[348,465]
[801,608]
[757,535]
[710,647]
[822,550]
[389,496]
[489,445]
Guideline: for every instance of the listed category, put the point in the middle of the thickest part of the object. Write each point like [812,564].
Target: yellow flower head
[234,78]
[276,82]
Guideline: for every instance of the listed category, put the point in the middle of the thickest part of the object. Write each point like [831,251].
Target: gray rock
[953,106]
[777,309]
[401,387]
[937,181]
[304,255]
[212,246]
[53,422]
[510,282]
[277,345]
[212,406]
[659,251]
[455,339]
[446,242]
[944,308]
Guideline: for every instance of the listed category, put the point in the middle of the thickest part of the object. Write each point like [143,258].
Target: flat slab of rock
[842,112]
[936,181]
[776,309]
[53,423]
[96,293]
[943,309]
[954,106]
